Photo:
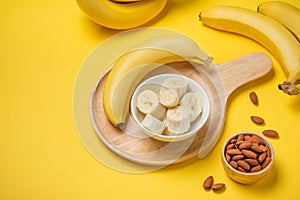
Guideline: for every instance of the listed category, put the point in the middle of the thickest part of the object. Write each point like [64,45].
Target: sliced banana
[194,103]
[179,85]
[168,97]
[148,103]
[154,124]
[178,119]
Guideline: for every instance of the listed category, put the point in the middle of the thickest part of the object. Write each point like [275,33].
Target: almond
[218,187]
[243,164]
[262,157]
[227,157]
[256,148]
[270,133]
[208,183]
[249,154]
[230,146]
[233,164]
[245,145]
[266,162]
[252,162]
[256,168]
[238,157]
[233,152]
[253,98]
[257,120]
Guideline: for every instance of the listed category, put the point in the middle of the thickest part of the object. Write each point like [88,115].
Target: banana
[194,103]
[172,90]
[154,124]
[178,44]
[178,85]
[266,31]
[168,97]
[178,120]
[121,14]
[148,103]
[129,69]
[285,13]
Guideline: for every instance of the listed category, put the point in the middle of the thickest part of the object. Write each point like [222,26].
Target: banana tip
[120,125]
[200,16]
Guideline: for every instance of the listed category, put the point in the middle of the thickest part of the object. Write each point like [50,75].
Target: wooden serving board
[134,145]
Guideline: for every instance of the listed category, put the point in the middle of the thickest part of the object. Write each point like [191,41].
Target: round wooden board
[134,145]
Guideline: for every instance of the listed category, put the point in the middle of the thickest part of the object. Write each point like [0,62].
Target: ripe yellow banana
[130,68]
[266,31]
[121,14]
[285,13]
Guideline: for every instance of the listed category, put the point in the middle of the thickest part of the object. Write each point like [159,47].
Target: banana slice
[194,103]
[168,97]
[179,85]
[148,103]
[154,124]
[178,119]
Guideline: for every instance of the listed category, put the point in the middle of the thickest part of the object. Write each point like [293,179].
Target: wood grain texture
[134,145]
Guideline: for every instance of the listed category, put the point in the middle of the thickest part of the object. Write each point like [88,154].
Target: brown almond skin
[257,168]
[233,164]
[238,157]
[261,141]
[262,157]
[243,164]
[264,148]
[266,162]
[241,169]
[253,98]
[252,139]
[233,152]
[245,145]
[230,146]
[208,183]
[218,187]
[249,154]
[240,137]
[271,133]
[227,157]
[257,120]
[256,148]
[252,162]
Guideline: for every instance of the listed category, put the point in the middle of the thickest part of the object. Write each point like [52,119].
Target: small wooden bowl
[246,177]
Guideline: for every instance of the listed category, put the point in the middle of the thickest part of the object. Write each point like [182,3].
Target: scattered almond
[253,98]
[218,187]
[270,133]
[257,120]
[208,183]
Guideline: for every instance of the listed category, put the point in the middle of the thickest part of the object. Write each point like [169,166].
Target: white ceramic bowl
[154,83]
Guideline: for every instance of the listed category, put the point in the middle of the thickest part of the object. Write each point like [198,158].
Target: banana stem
[289,88]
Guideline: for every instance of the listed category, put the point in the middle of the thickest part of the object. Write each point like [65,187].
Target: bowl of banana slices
[170,107]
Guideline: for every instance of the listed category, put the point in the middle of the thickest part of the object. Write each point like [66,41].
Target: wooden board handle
[244,69]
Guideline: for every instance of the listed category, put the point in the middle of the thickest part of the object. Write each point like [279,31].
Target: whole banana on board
[266,31]
[130,68]
[121,14]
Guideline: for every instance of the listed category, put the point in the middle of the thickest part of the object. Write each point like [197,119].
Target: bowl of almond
[247,157]
[170,107]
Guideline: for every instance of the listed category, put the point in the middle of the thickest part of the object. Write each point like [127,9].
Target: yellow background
[42,46]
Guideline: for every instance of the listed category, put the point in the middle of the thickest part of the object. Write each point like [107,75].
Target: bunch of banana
[121,14]
[173,107]
[289,16]
[266,31]
[130,68]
